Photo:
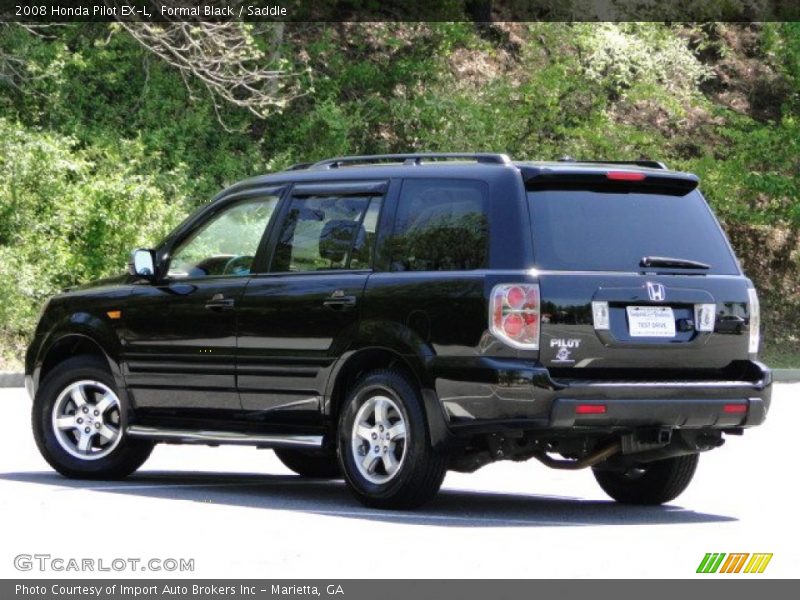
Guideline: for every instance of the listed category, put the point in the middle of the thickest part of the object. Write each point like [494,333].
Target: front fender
[74,329]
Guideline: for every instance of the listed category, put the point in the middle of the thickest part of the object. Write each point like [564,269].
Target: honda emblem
[656,292]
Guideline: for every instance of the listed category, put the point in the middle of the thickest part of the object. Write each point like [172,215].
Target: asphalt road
[239,513]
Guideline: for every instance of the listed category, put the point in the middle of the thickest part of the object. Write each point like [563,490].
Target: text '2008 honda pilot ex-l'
[387,318]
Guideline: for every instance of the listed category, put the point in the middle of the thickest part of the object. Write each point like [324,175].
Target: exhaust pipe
[587,461]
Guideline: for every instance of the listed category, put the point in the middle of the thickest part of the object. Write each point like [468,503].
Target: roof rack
[653,164]
[298,166]
[411,159]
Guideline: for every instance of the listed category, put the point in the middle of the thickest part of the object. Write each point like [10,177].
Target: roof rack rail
[653,164]
[299,166]
[411,159]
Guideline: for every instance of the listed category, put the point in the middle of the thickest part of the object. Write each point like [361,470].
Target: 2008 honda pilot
[387,318]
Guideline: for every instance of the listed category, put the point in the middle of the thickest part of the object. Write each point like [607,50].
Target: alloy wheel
[86,420]
[379,439]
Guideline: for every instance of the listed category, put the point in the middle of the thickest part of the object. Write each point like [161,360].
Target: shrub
[69,214]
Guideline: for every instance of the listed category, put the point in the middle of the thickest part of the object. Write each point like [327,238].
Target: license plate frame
[651,322]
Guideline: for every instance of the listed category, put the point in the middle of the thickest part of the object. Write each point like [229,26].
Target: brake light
[735,409]
[514,314]
[625,176]
[515,297]
[755,321]
[590,409]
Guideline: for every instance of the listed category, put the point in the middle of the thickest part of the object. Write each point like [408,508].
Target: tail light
[755,321]
[514,314]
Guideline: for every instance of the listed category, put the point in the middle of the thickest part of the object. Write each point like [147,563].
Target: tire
[309,464]
[654,483]
[113,457]
[405,471]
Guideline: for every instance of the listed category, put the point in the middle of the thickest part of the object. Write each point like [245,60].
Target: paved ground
[238,512]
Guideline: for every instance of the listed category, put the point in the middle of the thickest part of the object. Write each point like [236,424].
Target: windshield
[612,231]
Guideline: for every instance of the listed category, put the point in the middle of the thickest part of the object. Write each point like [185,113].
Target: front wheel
[79,423]
[651,483]
[384,448]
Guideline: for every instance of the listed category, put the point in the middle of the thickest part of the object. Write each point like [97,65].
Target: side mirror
[143,263]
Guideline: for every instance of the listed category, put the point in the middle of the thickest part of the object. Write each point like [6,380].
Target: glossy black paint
[568,303]
[291,332]
[179,345]
[271,358]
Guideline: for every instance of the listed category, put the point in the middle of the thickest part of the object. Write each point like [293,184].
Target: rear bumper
[674,413]
[516,395]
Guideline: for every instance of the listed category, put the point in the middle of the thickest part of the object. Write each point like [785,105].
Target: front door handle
[339,301]
[220,302]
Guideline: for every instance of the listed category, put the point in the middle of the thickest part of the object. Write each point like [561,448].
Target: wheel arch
[357,363]
[71,344]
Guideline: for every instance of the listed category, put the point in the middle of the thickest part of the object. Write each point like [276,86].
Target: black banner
[399,589]
[40,11]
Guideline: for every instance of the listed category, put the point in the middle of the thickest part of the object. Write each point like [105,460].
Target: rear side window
[327,232]
[441,225]
[612,231]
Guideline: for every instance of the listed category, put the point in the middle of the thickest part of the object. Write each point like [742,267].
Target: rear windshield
[612,231]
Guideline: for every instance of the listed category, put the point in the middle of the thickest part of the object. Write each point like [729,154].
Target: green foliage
[782,42]
[68,215]
[623,55]
[96,85]
[757,181]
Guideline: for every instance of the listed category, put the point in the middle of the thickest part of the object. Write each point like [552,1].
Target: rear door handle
[339,301]
[220,302]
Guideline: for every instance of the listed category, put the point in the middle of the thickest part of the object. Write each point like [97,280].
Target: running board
[191,436]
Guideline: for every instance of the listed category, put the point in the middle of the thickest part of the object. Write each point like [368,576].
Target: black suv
[387,318]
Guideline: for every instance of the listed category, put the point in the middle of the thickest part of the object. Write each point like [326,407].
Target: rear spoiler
[610,180]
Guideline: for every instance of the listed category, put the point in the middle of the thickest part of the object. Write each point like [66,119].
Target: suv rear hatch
[637,279]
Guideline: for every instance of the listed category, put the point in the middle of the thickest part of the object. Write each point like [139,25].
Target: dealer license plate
[651,321]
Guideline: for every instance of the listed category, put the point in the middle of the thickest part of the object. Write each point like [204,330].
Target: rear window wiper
[668,261]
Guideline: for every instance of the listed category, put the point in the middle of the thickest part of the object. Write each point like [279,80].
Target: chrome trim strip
[670,384]
[534,272]
[188,436]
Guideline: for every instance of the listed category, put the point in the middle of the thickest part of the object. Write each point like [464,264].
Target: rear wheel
[384,447]
[652,483]
[310,464]
[79,423]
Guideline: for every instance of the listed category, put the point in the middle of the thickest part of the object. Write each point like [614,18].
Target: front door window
[226,245]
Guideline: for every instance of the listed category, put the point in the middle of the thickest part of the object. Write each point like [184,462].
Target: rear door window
[441,225]
[612,231]
[323,233]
